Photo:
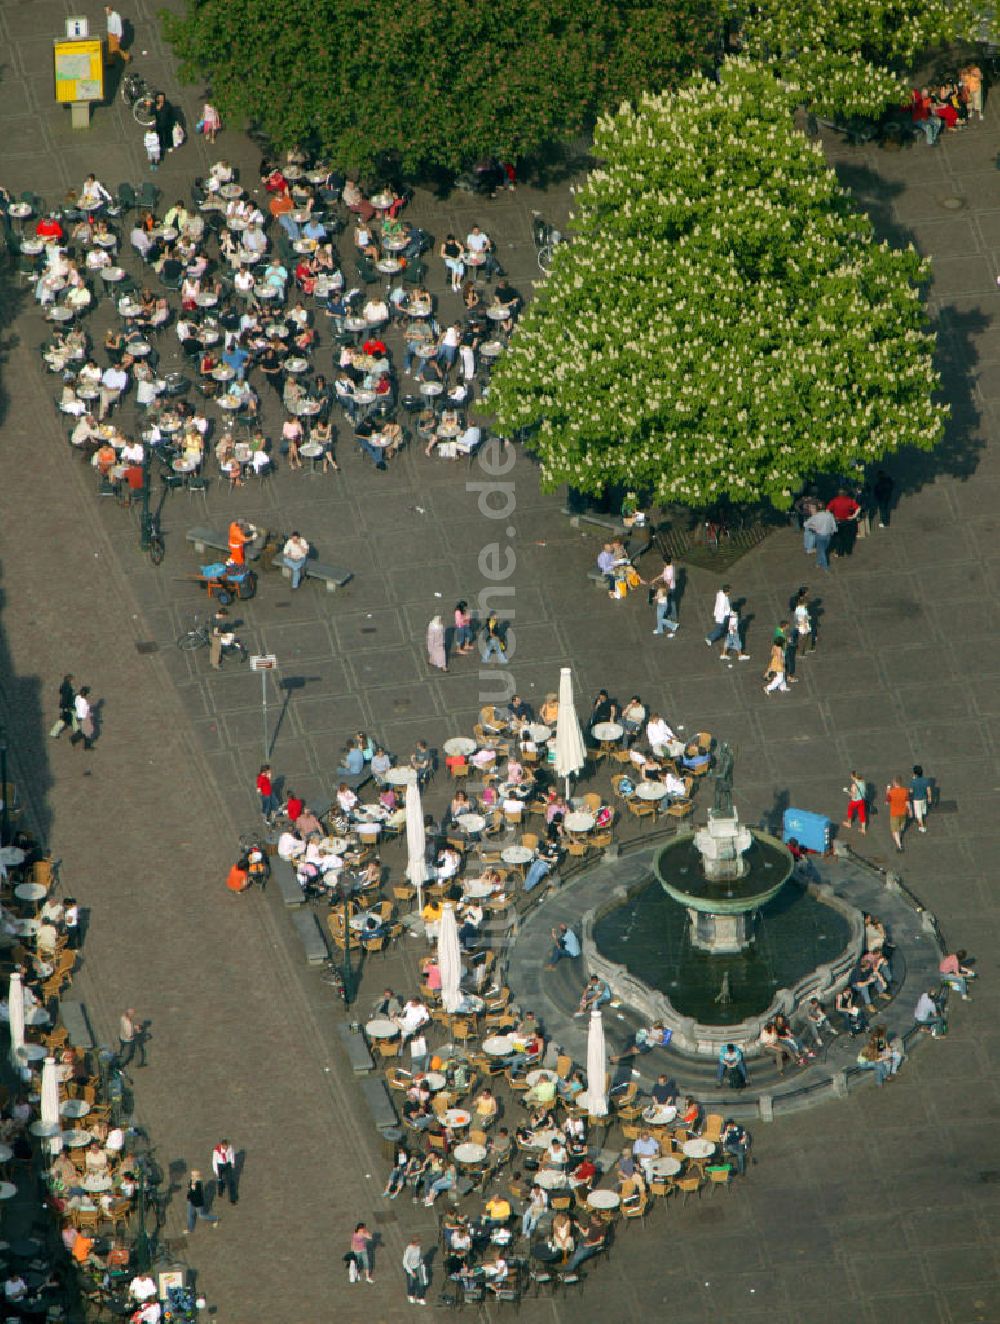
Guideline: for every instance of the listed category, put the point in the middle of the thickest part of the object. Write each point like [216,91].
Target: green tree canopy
[438,84]
[849,56]
[723,323]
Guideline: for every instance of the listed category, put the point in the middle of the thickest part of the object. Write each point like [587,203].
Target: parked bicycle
[152,538]
[200,636]
[137,93]
[546,238]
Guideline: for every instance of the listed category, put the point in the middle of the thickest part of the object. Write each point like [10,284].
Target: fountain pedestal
[721,934]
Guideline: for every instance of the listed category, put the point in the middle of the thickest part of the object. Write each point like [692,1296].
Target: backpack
[734,1079]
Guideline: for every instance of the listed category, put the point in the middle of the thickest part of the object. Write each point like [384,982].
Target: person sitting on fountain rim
[817,1020]
[645,1040]
[784,1029]
[731,1060]
[596,993]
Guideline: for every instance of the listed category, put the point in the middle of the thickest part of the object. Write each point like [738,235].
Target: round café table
[431,389]
[436,1080]
[551,1179]
[7,1190]
[469,1152]
[498,314]
[6,1153]
[471,823]
[76,1139]
[393,244]
[401,776]
[381,1029]
[538,732]
[498,1045]
[45,1130]
[32,1053]
[578,821]
[37,1016]
[603,1199]
[667,1166]
[32,892]
[456,1119]
[516,855]
[112,275]
[475,889]
[608,732]
[459,747]
[651,791]
[296,365]
[659,1116]
[311,451]
[11,855]
[543,1138]
[98,1182]
[698,1149]
[539,1074]
[491,350]
[25,928]
[74,1108]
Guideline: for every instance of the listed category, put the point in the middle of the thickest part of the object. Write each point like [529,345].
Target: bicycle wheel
[545,258]
[187,643]
[144,111]
[157,548]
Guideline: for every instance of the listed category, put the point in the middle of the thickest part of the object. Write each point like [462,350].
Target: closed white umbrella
[50,1103]
[449,960]
[15,1004]
[597,1068]
[416,841]
[571,753]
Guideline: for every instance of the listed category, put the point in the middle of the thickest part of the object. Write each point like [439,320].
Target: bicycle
[546,238]
[137,93]
[199,636]
[155,545]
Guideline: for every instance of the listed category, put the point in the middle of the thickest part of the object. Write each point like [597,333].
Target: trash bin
[811,831]
[391,1137]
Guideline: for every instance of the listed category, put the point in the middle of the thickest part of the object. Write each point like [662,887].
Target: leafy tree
[847,57]
[440,85]
[723,323]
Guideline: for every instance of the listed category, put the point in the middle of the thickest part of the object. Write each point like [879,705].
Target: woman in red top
[265,789]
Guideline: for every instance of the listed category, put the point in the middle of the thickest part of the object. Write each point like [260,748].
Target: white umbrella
[50,1102]
[15,1005]
[571,754]
[597,1068]
[416,841]
[449,960]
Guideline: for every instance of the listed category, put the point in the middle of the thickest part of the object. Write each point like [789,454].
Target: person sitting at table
[596,994]
[485,1108]
[414,1015]
[449,863]
[291,844]
[561,1236]
[96,1161]
[543,1092]
[98,259]
[376,311]
[446,1181]
[662,739]
[460,804]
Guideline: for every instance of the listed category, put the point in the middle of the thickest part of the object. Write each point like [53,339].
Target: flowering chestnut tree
[724,323]
[438,85]
[848,57]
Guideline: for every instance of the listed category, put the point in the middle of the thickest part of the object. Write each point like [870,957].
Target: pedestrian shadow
[772,819]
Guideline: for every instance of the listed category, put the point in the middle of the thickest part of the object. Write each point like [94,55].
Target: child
[733,640]
[151,142]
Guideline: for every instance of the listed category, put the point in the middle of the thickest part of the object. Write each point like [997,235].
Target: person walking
[733,642]
[463,628]
[803,623]
[897,797]
[857,803]
[785,635]
[921,792]
[775,673]
[116,34]
[416,1273]
[665,623]
[196,1203]
[882,490]
[436,655]
[269,803]
[821,528]
[130,1039]
[224,1167]
[84,714]
[67,694]
[361,1252]
[495,643]
[720,613]
[667,581]
[211,121]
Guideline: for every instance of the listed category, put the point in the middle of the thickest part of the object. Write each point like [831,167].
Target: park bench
[380,1103]
[311,935]
[203,537]
[356,1049]
[74,1017]
[334,576]
[288,885]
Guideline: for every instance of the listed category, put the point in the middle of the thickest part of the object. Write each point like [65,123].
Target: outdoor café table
[103,241]
[551,1179]
[659,1115]
[6,1153]
[11,855]
[431,389]
[651,791]
[300,215]
[292,172]
[317,176]
[498,314]
[459,746]
[32,247]
[382,201]
[312,451]
[540,1073]
[455,1119]
[276,330]
[58,313]
[395,243]
[365,397]
[471,822]
[231,402]
[139,348]
[491,350]
[401,776]
[98,1182]
[380,1028]
[543,1138]
[468,1152]
[206,299]
[25,928]
[516,855]
[112,275]
[446,431]
[538,733]
[20,210]
[608,731]
[418,310]
[129,307]
[436,1080]
[248,257]
[698,1149]
[304,245]
[476,889]
[30,891]
[237,223]
[265,291]
[166,232]
[183,465]
[87,393]
[223,373]
[668,1166]
[76,1139]
[389,266]
[359,921]
[471,1005]
[498,1045]
[355,324]
[230,191]
[295,365]
[75,1108]
[579,822]
[32,1052]
[603,1199]
[44,1129]
[7,1190]
[323,286]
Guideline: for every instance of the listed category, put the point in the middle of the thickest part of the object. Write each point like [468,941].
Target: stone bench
[333,576]
[203,537]
[356,1049]
[74,1017]
[283,874]
[380,1103]
[311,936]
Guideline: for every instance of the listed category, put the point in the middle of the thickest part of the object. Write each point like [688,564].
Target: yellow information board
[79,70]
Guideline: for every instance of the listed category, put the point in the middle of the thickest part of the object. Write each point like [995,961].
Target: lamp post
[145,521]
[5,802]
[348,975]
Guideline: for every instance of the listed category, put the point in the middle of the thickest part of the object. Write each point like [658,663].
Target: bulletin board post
[78,71]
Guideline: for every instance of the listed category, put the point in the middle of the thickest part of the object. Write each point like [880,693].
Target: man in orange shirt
[897,797]
[281,207]
[240,534]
